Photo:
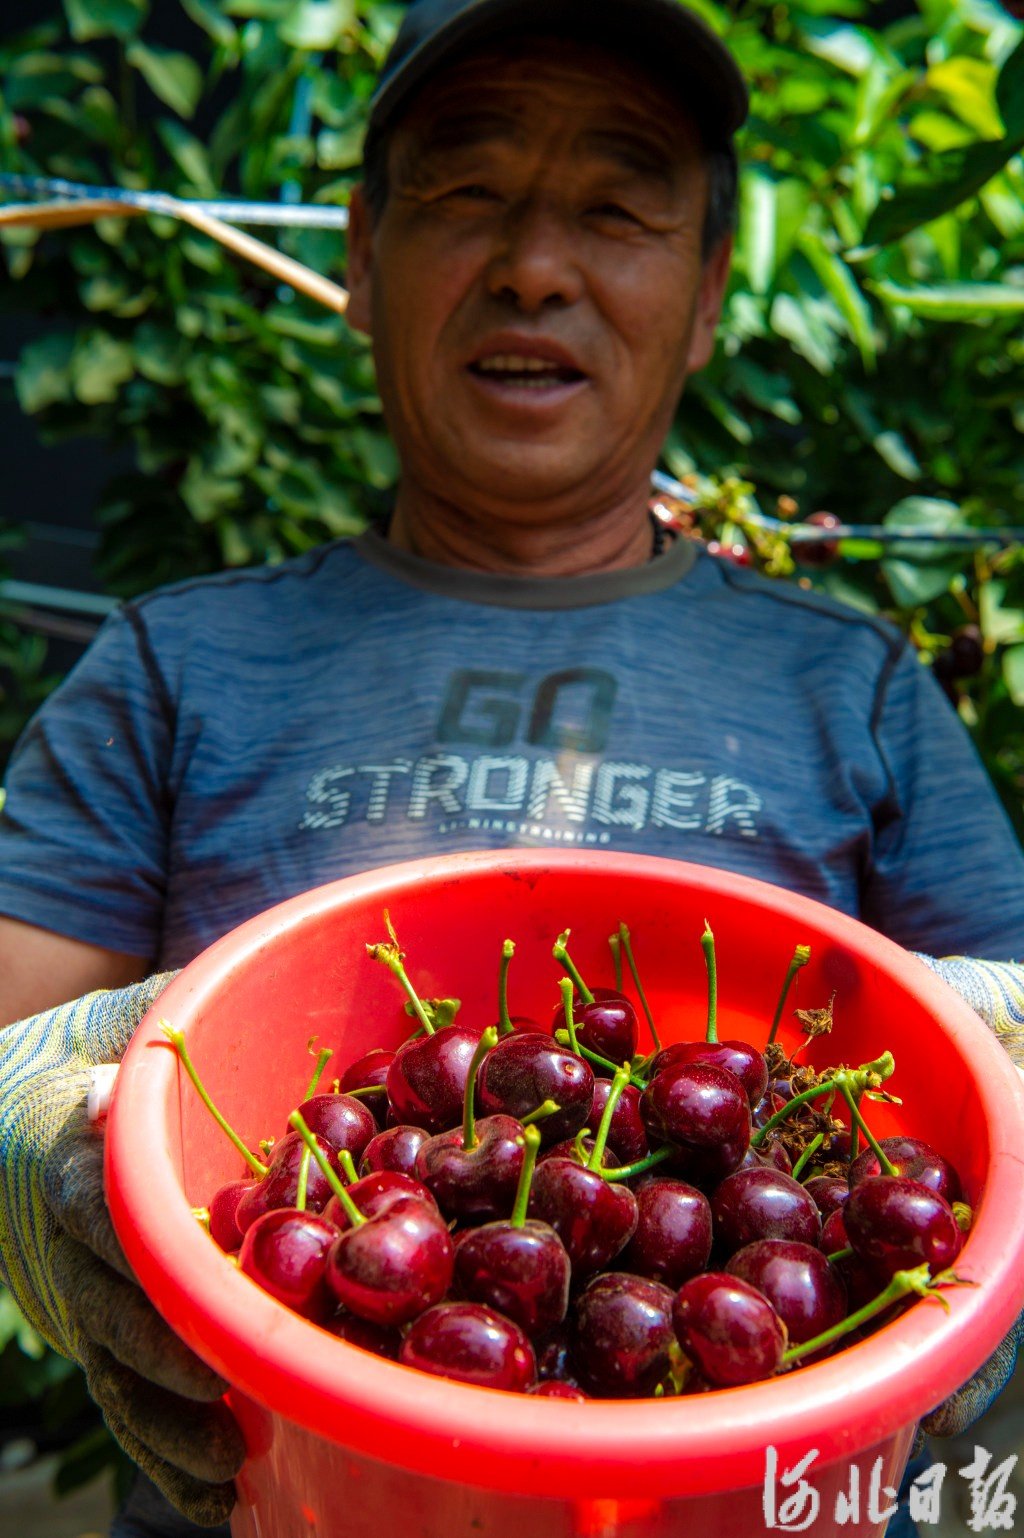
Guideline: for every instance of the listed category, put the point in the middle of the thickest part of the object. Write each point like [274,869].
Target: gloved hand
[995,990]
[62,1261]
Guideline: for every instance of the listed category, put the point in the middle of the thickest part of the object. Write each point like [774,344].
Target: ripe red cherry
[394,1149]
[477,1183]
[593,1218]
[286,1252]
[895,1223]
[224,1229]
[557,1388]
[728,1329]
[523,1071]
[340,1122]
[622,1335]
[763,1204]
[804,1290]
[737,1057]
[607,1024]
[427,1080]
[395,1265]
[828,1192]
[368,1337]
[373,1194]
[280,1185]
[367,1071]
[672,1241]
[913,1158]
[697,1106]
[627,1136]
[820,552]
[522,1272]
[471,1344]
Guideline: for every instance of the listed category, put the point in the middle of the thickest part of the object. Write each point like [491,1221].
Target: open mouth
[524,373]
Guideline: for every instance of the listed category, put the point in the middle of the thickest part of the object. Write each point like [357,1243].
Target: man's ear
[360,263]
[714,278]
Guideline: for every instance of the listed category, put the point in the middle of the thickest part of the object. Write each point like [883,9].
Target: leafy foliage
[871,348]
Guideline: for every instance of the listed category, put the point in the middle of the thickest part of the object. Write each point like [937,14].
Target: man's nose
[535,262]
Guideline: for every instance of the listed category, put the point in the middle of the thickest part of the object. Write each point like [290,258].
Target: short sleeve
[84,828]
[947,871]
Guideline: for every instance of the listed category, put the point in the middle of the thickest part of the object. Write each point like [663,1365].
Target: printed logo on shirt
[569,795]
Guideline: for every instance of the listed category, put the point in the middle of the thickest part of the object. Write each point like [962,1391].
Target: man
[539,252]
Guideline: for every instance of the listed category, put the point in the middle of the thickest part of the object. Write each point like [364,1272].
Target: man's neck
[574,545]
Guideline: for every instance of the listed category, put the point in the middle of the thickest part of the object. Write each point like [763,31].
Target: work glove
[62,1261]
[995,990]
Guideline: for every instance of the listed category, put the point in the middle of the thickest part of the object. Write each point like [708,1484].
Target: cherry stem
[322,1059]
[303,1185]
[885,1163]
[488,1039]
[566,988]
[391,956]
[563,958]
[565,1039]
[707,941]
[628,948]
[504,1022]
[809,1151]
[531,1141]
[367,1091]
[621,1079]
[615,946]
[649,1162]
[177,1041]
[843,1254]
[801,956]
[544,1110]
[348,1165]
[903,1283]
[355,1217]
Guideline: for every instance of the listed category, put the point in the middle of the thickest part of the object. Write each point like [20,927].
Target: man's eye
[475,191]
[613,211]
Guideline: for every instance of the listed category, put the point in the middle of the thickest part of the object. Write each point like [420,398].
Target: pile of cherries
[536,1207]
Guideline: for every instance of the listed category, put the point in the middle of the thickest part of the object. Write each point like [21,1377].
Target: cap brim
[671,40]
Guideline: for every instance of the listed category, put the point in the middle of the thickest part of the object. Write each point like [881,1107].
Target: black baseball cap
[665,36]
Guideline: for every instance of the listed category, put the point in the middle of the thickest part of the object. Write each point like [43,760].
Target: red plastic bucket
[345,1445]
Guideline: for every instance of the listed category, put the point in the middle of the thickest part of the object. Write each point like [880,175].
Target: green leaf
[1013,673]
[100,365]
[944,182]
[837,279]
[316,24]
[339,150]
[1010,93]
[955,301]
[1001,622]
[105,18]
[849,48]
[43,376]
[969,87]
[798,321]
[189,156]
[174,77]
[14,1326]
[930,515]
[206,15]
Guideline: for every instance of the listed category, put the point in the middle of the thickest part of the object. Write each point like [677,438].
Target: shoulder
[773,608]
[249,588]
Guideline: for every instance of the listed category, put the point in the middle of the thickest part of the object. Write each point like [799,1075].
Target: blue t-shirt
[229,742]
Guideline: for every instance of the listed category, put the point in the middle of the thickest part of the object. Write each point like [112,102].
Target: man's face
[534,285]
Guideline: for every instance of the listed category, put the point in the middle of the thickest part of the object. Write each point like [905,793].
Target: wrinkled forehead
[512,89]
